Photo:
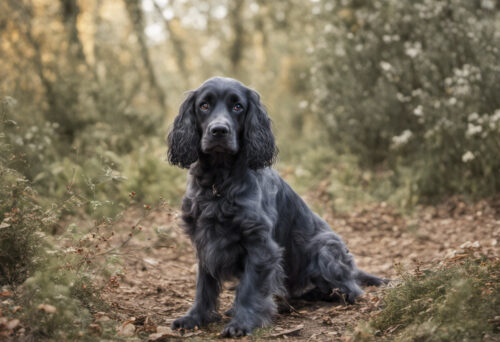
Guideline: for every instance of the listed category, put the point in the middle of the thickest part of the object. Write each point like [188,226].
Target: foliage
[21,221]
[54,277]
[20,215]
[456,302]
[413,84]
[400,103]
[53,307]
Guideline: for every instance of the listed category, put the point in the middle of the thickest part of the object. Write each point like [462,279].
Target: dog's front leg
[204,308]
[254,306]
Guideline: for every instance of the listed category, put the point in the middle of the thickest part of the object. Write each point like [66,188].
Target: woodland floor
[159,281]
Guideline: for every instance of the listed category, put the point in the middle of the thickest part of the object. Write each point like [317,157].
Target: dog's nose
[219,130]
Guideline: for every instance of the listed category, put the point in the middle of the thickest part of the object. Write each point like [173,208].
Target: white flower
[413,50]
[473,130]
[402,98]
[19,141]
[452,101]
[473,116]
[339,50]
[419,111]
[402,138]
[496,116]
[416,92]
[488,4]
[385,66]
[468,156]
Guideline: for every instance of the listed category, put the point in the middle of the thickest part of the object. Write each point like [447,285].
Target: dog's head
[222,117]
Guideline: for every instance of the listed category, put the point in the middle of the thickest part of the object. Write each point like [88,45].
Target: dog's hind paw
[367,279]
[235,329]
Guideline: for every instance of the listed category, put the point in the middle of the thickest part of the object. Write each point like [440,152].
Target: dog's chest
[218,240]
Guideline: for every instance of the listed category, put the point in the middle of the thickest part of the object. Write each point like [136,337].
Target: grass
[457,301]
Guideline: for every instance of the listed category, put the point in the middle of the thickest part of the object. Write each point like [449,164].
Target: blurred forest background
[384,100]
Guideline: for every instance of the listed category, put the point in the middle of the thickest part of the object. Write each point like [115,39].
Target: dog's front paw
[236,329]
[229,312]
[191,321]
[186,322]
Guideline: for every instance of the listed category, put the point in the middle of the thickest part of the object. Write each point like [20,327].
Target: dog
[244,220]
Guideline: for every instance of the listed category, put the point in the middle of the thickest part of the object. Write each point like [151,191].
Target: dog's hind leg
[317,294]
[366,279]
[333,266]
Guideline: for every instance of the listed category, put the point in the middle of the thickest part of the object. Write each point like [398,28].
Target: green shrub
[21,218]
[456,302]
[52,281]
[56,302]
[20,222]
[149,175]
[414,84]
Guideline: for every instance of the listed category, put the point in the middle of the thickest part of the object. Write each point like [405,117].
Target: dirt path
[159,281]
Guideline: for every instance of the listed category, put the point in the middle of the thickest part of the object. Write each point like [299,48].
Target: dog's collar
[215,192]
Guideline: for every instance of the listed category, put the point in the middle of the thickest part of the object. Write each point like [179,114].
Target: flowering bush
[414,84]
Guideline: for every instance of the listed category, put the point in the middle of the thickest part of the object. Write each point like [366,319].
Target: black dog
[242,217]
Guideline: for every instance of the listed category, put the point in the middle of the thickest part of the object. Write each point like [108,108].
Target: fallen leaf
[468,244]
[13,324]
[47,308]
[149,325]
[96,328]
[102,318]
[126,329]
[6,294]
[151,261]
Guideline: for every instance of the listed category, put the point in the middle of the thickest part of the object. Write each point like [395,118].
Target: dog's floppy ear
[259,146]
[183,138]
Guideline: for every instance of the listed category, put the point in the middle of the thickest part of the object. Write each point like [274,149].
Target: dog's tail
[366,279]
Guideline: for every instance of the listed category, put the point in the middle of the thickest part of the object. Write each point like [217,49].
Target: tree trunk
[137,19]
[236,49]
[180,54]
[70,11]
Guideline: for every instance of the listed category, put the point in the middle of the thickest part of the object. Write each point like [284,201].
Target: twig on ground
[292,331]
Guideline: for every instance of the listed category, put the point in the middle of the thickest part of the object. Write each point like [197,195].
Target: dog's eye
[237,107]
[204,106]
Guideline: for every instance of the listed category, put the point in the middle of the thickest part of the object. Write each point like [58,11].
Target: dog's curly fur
[244,220]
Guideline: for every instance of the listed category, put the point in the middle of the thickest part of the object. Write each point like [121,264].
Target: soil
[160,269]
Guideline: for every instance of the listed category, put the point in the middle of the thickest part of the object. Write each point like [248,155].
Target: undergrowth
[338,182]
[53,269]
[457,301]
